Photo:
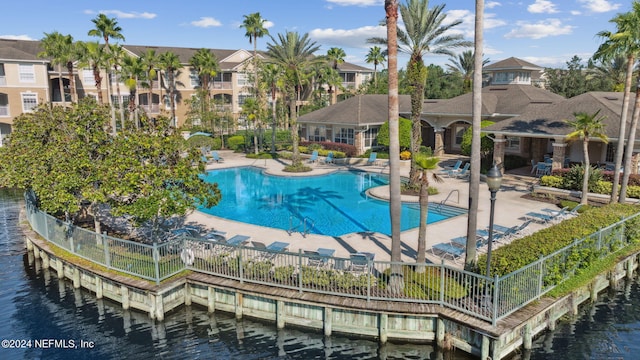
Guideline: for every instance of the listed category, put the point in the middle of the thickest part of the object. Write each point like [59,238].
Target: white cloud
[491,4]
[128,15]
[542,7]
[356,38]
[599,6]
[268,24]
[539,30]
[16,37]
[206,22]
[356,2]
[467,27]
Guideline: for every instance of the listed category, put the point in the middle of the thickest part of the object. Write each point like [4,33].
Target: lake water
[36,306]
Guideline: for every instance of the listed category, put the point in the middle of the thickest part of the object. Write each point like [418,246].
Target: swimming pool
[333,204]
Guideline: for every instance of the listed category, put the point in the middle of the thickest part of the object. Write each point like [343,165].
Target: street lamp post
[494,179]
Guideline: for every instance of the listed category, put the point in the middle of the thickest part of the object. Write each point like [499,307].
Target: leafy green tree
[294,54]
[486,144]
[585,127]
[441,84]
[404,130]
[376,57]
[568,82]
[425,164]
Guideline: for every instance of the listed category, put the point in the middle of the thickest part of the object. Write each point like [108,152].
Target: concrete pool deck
[510,210]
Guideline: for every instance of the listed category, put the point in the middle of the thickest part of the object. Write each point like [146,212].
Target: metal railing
[490,299]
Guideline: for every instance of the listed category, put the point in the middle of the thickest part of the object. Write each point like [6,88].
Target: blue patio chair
[462,241]
[205,160]
[269,252]
[372,158]
[535,216]
[314,156]
[455,167]
[329,158]
[319,258]
[444,250]
[454,173]
[216,157]
[463,173]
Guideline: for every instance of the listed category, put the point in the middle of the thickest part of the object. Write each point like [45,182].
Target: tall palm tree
[170,63]
[107,28]
[206,66]
[625,41]
[335,56]
[476,120]
[117,57]
[92,54]
[375,56]
[294,54]
[585,127]
[150,61]
[426,31]
[425,164]
[271,74]
[133,69]
[611,72]
[61,50]
[464,65]
[396,282]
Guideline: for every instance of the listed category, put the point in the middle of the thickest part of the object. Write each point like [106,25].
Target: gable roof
[549,121]
[24,50]
[512,63]
[497,100]
[358,110]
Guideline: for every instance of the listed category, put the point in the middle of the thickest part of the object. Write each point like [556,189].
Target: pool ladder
[439,205]
[304,223]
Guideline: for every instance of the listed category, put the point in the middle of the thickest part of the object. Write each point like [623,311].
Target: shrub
[405,155]
[199,141]
[236,142]
[405,134]
[633,192]
[552,181]
[573,177]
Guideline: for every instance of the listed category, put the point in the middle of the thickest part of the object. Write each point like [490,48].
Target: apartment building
[27,80]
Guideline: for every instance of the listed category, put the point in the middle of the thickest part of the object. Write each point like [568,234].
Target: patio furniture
[454,173]
[319,258]
[216,157]
[314,156]
[455,167]
[361,262]
[445,250]
[329,158]
[372,158]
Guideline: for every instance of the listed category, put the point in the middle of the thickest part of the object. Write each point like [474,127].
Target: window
[4,105]
[242,99]
[29,101]
[242,79]
[87,78]
[3,78]
[611,152]
[222,77]
[458,132]
[344,136]
[512,143]
[371,137]
[193,76]
[317,133]
[348,77]
[26,73]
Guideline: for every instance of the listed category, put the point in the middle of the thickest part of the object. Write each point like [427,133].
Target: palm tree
[375,56]
[271,75]
[254,26]
[476,124]
[625,42]
[425,32]
[206,66]
[133,69]
[294,54]
[611,72]
[336,56]
[425,164]
[586,126]
[107,28]
[170,63]
[117,57]
[92,54]
[396,282]
[61,49]
[150,61]
[464,65]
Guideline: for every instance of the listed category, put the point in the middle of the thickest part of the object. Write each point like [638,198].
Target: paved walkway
[510,209]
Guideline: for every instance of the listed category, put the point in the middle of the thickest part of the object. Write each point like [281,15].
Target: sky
[547,33]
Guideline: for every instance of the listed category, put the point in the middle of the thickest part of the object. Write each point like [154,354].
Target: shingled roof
[512,63]
[24,50]
[358,110]
[504,100]
[549,121]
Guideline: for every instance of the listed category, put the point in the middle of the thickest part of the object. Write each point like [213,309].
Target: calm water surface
[35,305]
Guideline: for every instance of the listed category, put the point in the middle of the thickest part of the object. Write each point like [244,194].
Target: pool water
[333,204]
